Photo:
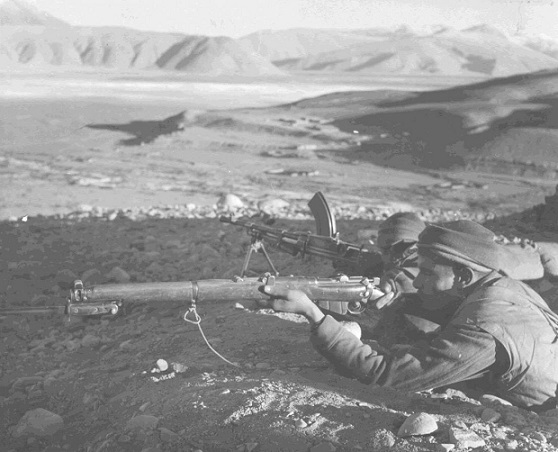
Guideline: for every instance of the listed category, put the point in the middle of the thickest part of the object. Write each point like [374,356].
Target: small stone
[499,434]
[142,422]
[230,202]
[444,447]
[90,340]
[418,424]
[382,439]
[38,422]
[162,365]
[538,436]
[299,423]
[465,438]
[492,399]
[511,445]
[178,367]
[273,206]
[168,436]
[238,306]
[143,407]
[126,346]
[490,415]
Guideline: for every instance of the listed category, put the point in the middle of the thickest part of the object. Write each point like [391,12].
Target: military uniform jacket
[503,330]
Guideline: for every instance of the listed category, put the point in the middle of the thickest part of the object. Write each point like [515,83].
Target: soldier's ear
[463,275]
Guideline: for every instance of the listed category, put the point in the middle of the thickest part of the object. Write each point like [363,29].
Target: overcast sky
[240,17]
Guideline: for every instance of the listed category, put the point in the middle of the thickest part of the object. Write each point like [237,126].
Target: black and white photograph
[286,226]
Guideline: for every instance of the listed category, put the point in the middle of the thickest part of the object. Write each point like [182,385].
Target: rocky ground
[136,198]
[98,384]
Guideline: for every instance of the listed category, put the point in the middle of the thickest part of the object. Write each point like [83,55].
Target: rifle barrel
[34,310]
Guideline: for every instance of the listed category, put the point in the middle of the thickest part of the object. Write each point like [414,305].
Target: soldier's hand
[389,296]
[295,301]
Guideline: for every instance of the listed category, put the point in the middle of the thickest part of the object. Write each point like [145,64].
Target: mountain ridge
[32,38]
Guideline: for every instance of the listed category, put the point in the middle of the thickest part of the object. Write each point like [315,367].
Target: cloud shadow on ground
[144,131]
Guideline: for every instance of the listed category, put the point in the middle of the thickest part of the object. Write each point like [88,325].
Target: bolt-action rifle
[347,257]
[340,294]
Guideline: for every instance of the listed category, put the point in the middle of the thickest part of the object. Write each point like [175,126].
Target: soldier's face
[435,279]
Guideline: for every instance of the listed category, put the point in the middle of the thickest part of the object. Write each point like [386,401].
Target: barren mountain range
[31,38]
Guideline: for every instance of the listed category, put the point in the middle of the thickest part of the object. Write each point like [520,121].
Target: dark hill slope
[508,124]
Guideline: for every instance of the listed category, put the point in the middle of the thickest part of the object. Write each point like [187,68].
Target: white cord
[197,322]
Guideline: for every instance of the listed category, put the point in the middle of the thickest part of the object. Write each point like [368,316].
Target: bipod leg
[255,246]
[264,251]
[247,260]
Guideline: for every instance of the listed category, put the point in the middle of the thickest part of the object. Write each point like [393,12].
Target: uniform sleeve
[459,353]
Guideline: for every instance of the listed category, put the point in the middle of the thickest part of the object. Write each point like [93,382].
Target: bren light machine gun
[348,257]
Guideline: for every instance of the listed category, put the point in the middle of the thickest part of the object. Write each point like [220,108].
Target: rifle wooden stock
[343,294]
[344,255]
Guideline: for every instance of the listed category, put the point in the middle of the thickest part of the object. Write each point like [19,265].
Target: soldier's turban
[463,242]
[471,244]
[402,226]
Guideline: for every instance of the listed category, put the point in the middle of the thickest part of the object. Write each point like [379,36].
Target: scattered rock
[444,447]
[300,423]
[465,438]
[23,382]
[143,422]
[91,341]
[162,365]
[490,415]
[382,439]
[511,445]
[126,345]
[38,422]
[230,202]
[118,275]
[490,399]
[273,206]
[418,424]
[168,436]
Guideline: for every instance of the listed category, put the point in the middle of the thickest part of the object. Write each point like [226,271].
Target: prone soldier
[497,332]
